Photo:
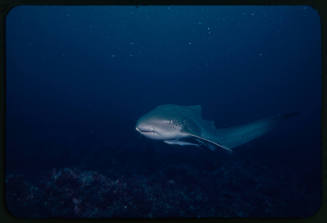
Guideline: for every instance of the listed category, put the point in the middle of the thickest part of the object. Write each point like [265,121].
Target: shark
[185,126]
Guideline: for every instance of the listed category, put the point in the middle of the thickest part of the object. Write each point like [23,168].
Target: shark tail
[236,136]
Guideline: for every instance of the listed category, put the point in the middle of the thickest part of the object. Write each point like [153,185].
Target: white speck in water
[252,14]
[131,55]
[200,23]
[260,54]
[209,28]
[189,43]
[67,14]
[131,43]
[113,55]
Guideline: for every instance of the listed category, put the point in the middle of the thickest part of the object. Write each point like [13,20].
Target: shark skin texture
[184,126]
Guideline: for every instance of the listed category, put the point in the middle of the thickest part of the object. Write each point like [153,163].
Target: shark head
[158,127]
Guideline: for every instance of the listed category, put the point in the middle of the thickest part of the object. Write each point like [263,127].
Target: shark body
[184,126]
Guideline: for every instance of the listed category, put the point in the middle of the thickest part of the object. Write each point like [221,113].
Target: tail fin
[239,135]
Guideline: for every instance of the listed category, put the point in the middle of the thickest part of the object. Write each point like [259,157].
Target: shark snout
[146,130]
[143,130]
[140,128]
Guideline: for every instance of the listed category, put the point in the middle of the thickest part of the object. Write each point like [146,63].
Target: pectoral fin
[181,143]
[211,144]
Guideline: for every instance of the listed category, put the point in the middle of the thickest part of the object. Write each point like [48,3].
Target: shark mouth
[144,130]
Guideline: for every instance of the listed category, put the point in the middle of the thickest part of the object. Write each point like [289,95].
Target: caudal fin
[236,136]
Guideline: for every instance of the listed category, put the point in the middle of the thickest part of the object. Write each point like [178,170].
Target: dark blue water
[78,78]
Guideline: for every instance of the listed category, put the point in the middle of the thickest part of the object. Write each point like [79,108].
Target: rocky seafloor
[232,188]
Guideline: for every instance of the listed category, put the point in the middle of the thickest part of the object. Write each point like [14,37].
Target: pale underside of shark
[184,126]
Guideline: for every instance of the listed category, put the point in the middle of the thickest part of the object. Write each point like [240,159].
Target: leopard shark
[185,126]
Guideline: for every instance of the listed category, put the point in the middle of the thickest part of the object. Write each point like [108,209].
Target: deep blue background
[79,77]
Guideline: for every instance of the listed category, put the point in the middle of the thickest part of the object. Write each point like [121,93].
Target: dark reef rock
[174,191]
